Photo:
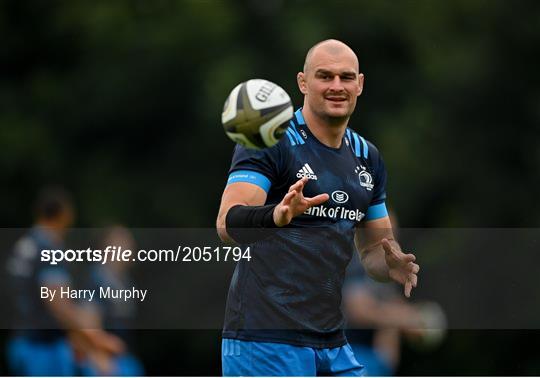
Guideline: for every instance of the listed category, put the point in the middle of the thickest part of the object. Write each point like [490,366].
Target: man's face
[67,217]
[331,84]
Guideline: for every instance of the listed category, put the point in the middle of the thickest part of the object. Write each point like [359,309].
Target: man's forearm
[70,316]
[374,263]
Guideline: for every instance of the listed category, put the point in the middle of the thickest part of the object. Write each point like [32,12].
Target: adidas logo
[306,171]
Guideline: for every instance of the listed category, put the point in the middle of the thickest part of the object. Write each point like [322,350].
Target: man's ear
[360,84]
[301,80]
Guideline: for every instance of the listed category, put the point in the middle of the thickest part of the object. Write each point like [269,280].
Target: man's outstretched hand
[294,203]
[401,266]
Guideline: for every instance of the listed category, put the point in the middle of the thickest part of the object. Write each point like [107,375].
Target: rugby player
[320,191]
[49,334]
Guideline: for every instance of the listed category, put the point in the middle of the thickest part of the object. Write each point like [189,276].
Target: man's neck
[329,134]
[53,228]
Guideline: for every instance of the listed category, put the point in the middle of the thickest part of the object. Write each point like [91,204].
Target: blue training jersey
[290,290]
[27,274]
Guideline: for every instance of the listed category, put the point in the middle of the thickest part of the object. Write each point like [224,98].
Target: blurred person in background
[376,315]
[378,319]
[116,316]
[44,328]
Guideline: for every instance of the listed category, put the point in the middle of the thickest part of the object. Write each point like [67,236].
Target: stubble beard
[332,120]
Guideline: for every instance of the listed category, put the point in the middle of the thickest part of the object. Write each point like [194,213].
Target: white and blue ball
[256,113]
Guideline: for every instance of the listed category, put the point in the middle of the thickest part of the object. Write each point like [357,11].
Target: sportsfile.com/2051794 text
[184,254]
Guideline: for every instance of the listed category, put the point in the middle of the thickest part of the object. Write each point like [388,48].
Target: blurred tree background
[120,103]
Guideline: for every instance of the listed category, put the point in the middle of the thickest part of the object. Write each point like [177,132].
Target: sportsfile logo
[335,213]
[306,171]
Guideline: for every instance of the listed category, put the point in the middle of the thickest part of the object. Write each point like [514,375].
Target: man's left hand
[401,266]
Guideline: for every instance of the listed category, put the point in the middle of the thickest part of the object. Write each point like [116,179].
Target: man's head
[54,209]
[331,80]
[118,236]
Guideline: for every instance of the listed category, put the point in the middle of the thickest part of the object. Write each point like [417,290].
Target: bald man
[301,206]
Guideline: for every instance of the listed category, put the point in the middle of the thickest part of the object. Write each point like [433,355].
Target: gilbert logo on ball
[256,113]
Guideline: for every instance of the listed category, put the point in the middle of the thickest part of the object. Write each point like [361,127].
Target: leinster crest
[366,180]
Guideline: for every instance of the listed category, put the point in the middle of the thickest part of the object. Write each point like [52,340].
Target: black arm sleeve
[247,224]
